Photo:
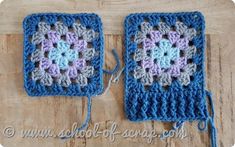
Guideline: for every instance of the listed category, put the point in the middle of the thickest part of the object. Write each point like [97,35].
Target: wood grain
[23,112]
[219,13]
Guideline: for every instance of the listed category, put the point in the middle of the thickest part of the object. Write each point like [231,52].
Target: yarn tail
[213,132]
[84,124]
[88,116]
[116,68]
[113,71]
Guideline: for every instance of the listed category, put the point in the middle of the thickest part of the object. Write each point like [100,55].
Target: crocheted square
[63,54]
[164,67]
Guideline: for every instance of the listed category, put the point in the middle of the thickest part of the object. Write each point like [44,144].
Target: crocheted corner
[63,54]
[164,66]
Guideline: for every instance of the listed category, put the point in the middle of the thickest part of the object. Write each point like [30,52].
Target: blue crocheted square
[63,54]
[164,67]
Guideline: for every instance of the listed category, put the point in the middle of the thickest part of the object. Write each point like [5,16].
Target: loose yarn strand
[88,116]
[117,78]
[116,68]
[85,123]
[213,131]
[113,71]
[114,80]
[110,72]
[202,125]
[109,85]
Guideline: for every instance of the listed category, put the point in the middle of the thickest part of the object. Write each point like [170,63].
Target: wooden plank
[219,14]
[23,112]
[221,70]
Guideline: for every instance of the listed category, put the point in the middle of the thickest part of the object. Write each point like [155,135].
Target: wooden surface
[23,112]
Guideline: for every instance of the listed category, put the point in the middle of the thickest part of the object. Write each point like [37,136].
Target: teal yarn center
[165,53]
[62,55]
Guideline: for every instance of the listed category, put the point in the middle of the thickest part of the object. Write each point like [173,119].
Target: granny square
[164,67]
[63,54]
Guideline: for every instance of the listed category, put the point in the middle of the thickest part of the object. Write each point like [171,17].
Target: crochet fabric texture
[63,54]
[164,67]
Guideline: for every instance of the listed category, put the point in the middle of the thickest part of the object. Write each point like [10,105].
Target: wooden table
[23,112]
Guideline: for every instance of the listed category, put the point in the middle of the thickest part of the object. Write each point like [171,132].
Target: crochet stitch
[164,67]
[63,54]
[164,57]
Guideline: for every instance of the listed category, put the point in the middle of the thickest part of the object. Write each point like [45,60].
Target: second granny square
[164,67]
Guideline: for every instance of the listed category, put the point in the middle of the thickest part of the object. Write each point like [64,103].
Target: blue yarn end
[117,67]
[95,83]
[175,102]
[85,123]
